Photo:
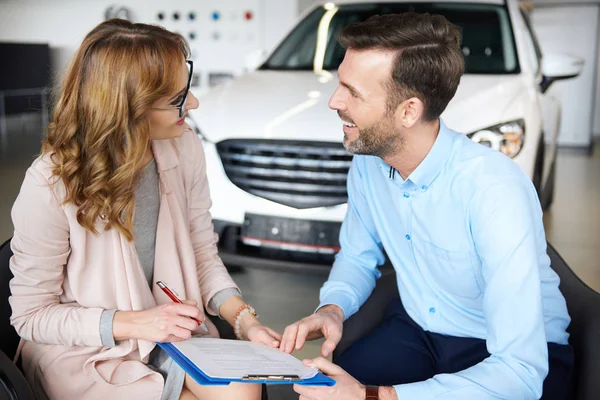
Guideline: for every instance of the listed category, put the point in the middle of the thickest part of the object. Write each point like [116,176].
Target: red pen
[172,296]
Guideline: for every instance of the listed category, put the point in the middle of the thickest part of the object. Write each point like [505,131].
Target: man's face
[361,99]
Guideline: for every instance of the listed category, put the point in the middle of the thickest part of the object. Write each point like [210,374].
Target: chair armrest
[13,384]
[585,339]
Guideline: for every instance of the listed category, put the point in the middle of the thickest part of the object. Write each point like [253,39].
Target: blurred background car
[277,166]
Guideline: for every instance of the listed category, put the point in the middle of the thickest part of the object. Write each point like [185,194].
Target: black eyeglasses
[181,106]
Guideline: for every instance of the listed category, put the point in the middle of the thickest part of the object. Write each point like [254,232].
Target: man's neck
[418,141]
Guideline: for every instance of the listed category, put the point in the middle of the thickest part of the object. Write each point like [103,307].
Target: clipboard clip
[271,378]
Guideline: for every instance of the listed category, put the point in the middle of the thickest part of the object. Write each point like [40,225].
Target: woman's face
[164,115]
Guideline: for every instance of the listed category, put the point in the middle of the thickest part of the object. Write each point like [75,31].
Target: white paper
[235,359]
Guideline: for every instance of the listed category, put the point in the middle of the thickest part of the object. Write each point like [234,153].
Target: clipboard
[199,376]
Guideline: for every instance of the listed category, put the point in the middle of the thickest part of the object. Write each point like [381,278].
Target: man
[480,315]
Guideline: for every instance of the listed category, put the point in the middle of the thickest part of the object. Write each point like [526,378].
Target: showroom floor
[572,226]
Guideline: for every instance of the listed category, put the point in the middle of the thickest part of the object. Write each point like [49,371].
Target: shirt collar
[426,172]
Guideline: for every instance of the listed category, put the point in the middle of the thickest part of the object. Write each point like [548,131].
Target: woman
[117,201]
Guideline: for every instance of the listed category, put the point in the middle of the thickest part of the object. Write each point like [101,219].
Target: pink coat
[65,276]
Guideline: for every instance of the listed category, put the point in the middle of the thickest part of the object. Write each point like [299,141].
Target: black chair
[13,384]
[582,301]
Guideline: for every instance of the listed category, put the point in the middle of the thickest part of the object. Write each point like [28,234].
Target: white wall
[64,23]
[597,98]
[596,109]
[304,4]
[572,29]
[279,16]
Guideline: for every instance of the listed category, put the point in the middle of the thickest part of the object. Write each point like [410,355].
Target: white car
[276,165]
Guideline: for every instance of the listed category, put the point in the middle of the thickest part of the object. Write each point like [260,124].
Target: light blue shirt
[464,233]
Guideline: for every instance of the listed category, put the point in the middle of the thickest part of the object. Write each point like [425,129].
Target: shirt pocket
[453,271]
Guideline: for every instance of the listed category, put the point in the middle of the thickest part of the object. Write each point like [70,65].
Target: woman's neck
[147,157]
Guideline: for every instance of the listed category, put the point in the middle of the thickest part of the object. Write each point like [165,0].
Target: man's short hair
[429,62]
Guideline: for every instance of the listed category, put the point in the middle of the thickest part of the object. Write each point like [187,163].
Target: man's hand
[345,388]
[327,322]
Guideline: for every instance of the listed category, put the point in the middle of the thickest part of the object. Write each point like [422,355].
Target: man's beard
[379,139]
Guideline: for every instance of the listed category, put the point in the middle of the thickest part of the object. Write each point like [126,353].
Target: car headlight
[507,138]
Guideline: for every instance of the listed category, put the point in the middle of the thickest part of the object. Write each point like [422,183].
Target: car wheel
[548,192]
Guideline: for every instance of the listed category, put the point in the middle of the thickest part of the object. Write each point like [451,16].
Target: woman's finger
[276,335]
[268,339]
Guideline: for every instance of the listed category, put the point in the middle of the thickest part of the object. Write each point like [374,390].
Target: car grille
[300,174]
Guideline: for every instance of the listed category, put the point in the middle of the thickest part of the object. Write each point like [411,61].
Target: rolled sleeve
[106,328]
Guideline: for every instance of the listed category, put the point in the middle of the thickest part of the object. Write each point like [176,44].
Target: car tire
[538,171]
[548,193]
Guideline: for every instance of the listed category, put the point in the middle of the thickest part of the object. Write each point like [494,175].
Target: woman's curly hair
[99,132]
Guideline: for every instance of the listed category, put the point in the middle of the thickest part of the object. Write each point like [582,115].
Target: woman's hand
[171,322]
[256,332]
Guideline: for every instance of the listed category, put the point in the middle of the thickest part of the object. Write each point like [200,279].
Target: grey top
[147,204]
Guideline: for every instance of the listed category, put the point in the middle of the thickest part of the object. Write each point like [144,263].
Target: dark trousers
[400,351]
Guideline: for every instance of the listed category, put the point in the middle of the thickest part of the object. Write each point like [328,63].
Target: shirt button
[424,187]
[407,237]
[406,195]
[432,310]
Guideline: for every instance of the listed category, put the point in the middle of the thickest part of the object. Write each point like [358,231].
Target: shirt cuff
[342,300]
[417,390]
[221,297]
[106,328]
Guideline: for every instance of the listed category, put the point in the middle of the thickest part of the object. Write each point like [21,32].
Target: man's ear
[409,112]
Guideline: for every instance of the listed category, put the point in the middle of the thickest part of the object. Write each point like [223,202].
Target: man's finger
[285,336]
[303,331]
[332,331]
[333,335]
[302,390]
[325,366]
[289,338]
[328,347]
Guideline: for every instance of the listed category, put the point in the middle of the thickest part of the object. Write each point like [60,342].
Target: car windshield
[488,43]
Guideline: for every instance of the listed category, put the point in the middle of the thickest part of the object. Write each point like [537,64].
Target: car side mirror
[557,66]
[254,59]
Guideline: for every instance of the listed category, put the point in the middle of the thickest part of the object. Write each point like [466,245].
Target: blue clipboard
[192,370]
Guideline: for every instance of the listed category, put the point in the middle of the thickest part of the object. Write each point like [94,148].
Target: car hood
[293,105]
